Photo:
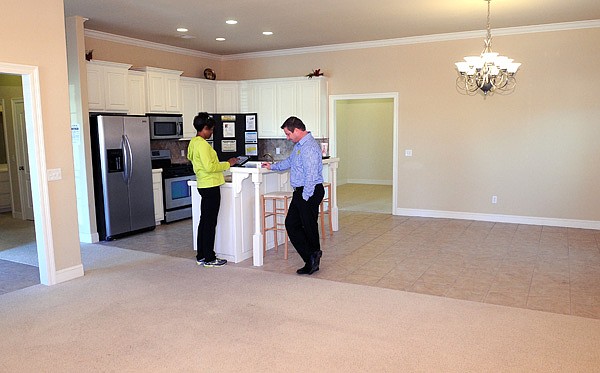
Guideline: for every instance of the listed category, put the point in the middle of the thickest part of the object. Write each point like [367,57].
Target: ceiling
[309,23]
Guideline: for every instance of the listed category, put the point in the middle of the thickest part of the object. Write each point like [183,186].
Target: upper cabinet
[274,100]
[228,94]
[196,95]
[163,93]
[136,81]
[108,86]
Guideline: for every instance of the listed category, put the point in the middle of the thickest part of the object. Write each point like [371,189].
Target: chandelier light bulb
[488,72]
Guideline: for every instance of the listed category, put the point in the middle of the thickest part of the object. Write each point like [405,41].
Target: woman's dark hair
[203,120]
[293,122]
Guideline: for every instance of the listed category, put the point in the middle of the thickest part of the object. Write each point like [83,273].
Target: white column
[257,238]
[333,198]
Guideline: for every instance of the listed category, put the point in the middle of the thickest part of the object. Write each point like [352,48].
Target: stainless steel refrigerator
[122,174]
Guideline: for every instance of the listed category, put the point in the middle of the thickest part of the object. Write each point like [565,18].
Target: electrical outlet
[277,150]
[408,153]
[182,153]
[494,199]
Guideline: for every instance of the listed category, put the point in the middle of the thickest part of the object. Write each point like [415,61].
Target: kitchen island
[239,231]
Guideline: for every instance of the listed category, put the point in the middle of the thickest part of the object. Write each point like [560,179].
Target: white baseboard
[369,181]
[69,273]
[514,219]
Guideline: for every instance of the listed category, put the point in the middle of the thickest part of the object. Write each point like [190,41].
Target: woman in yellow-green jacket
[209,178]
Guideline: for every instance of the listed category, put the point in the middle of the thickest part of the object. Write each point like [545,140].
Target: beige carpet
[136,311]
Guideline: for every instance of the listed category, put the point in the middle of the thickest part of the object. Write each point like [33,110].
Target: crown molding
[349,46]
[149,44]
[419,39]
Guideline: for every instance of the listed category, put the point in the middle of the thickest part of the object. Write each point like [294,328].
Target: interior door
[24,172]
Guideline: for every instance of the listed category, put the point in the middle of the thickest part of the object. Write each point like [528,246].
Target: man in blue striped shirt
[306,177]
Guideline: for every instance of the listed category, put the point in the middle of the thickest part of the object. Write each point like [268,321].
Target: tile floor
[544,268]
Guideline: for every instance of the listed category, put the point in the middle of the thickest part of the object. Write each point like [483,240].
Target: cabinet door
[95,81]
[172,94]
[312,104]
[190,107]
[115,89]
[157,190]
[156,92]
[208,97]
[228,97]
[286,102]
[137,93]
[265,100]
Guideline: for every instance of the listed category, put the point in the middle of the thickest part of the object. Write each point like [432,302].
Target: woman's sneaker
[215,263]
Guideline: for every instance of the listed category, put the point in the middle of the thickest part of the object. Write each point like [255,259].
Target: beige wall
[137,56]
[33,33]
[536,149]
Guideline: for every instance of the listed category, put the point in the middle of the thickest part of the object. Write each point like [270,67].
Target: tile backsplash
[285,147]
[178,148]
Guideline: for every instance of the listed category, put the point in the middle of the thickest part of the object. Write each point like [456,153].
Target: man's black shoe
[304,270]
[315,261]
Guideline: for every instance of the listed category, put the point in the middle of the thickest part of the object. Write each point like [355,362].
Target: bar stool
[276,211]
[323,211]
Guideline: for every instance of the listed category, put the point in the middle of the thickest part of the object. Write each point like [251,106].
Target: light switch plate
[54,174]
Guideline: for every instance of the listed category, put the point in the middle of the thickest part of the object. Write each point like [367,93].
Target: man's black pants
[302,224]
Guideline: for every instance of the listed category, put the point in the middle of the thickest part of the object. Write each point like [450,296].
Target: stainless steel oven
[178,197]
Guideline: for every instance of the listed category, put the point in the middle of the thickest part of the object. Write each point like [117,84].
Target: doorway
[363,134]
[18,248]
[36,163]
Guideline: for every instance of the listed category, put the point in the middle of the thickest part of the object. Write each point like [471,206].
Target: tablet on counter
[242,159]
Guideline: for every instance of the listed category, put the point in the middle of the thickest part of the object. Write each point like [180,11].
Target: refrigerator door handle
[128,161]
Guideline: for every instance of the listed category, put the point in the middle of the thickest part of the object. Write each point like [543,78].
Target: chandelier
[488,72]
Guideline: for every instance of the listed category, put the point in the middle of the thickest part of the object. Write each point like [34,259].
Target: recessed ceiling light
[220,39]
[231,22]
[182,29]
[267,32]
[187,37]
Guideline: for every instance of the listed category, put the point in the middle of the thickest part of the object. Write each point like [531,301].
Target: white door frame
[332,132]
[37,164]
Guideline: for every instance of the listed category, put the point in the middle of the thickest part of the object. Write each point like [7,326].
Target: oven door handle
[128,161]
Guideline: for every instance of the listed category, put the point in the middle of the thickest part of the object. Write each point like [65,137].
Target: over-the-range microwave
[165,126]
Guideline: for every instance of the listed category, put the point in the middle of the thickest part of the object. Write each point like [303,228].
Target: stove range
[177,170]
[177,195]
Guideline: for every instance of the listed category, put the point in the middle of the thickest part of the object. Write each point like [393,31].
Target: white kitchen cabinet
[228,97]
[107,86]
[274,100]
[163,93]
[196,95]
[312,105]
[159,210]
[136,81]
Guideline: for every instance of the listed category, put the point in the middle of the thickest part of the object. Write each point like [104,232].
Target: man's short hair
[293,122]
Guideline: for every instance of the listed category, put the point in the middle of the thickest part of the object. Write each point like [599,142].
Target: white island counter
[239,232]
